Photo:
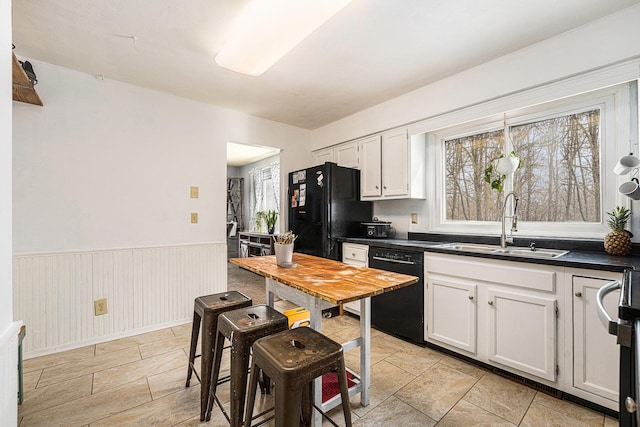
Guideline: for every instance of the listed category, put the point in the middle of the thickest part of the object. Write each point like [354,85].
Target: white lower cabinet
[522,332]
[595,352]
[498,312]
[355,254]
[451,308]
[537,321]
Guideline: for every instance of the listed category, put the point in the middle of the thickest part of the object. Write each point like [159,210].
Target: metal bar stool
[242,327]
[208,308]
[293,359]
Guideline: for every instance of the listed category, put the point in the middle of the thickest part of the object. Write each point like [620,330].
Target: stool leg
[265,383]
[195,330]
[215,374]
[287,406]
[251,397]
[344,392]
[209,328]
[239,367]
[306,410]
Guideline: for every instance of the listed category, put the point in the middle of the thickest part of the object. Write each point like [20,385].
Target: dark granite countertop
[581,258]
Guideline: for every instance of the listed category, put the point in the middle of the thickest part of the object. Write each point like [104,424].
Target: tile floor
[139,381]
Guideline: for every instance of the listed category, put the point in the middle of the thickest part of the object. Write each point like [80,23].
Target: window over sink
[565,182]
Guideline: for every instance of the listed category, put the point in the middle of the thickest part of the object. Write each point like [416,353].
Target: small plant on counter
[499,168]
[618,240]
[270,217]
[259,221]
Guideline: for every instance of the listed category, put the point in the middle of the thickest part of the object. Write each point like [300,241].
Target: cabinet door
[322,156]
[355,254]
[451,312]
[522,332]
[395,163]
[347,155]
[370,167]
[595,352]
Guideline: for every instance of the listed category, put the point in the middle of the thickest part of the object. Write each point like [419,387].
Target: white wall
[107,165]
[607,41]
[8,328]
[6,315]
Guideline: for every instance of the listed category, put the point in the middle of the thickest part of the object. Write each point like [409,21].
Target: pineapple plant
[618,240]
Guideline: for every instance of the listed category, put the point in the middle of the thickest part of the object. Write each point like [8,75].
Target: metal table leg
[365,350]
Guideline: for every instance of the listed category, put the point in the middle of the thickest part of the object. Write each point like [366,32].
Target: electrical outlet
[194,192]
[414,218]
[194,217]
[100,306]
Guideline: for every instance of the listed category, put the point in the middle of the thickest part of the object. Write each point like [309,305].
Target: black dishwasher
[399,312]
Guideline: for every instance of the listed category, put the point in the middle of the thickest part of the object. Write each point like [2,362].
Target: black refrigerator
[324,204]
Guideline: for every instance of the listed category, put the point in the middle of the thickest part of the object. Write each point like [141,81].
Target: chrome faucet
[514,220]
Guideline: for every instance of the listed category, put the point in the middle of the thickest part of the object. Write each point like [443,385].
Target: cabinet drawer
[521,275]
[355,253]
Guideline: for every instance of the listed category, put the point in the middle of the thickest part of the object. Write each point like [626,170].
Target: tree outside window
[559,176]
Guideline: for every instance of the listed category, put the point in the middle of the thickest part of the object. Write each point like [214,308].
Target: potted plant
[259,220]
[618,240]
[499,168]
[270,217]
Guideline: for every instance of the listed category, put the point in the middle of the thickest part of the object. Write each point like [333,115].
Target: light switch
[194,217]
[194,192]
[414,218]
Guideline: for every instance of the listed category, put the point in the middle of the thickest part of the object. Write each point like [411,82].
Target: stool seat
[242,327]
[293,359]
[207,309]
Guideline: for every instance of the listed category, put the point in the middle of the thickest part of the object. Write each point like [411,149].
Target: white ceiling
[372,51]
[241,154]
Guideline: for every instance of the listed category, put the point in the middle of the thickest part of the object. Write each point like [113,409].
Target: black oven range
[627,330]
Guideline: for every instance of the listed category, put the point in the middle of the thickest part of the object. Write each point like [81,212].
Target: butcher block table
[319,283]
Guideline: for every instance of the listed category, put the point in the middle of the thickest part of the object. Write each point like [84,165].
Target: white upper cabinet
[370,171]
[395,163]
[320,157]
[346,154]
[343,154]
[393,166]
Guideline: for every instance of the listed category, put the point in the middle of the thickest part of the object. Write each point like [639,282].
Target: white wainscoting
[146,289]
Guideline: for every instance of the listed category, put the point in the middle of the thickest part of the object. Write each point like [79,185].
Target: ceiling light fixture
[268,29]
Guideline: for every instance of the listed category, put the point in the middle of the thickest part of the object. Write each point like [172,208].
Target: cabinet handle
[578,294]
[471,297]
[353,254]
[377,188]
[384,186]
[490,302]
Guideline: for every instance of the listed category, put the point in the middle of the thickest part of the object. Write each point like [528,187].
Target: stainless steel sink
[496,249]
[470,247]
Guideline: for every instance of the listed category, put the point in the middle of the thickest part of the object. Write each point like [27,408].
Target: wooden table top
[329,280]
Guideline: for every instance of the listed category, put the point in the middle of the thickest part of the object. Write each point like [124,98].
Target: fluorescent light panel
[268,29]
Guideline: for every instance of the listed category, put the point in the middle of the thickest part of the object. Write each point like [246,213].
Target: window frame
[615,130]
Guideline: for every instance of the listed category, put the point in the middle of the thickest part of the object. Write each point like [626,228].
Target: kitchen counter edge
[575,259]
